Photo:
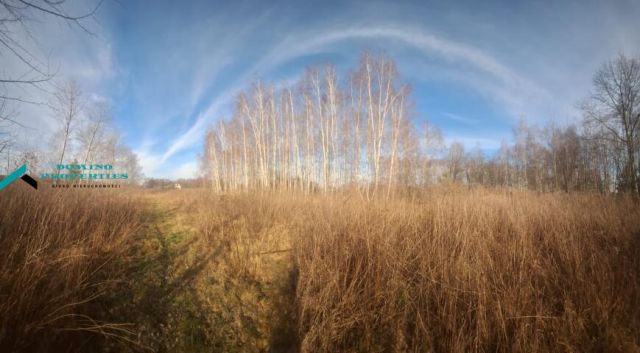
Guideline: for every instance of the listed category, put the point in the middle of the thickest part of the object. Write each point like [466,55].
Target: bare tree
[18,45]
[615,106]
[18,19]
[319,137]
[127,163]
[377,77]
[355,139]
[474,170]
[92,131]
[433,145]
[456,161]
[5,120]
[20,16]
[67,106]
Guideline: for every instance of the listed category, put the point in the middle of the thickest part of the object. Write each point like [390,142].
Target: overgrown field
[449,270]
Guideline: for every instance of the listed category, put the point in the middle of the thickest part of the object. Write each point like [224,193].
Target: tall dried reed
[444,270]
[60,252]
[470,271]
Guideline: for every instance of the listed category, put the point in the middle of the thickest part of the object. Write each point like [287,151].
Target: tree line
[599,153]
[324,133]
[85,134]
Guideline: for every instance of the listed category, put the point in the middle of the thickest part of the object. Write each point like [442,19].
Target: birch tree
[67,106]
[92,131]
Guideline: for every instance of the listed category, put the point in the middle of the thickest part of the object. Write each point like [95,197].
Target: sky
[170,69]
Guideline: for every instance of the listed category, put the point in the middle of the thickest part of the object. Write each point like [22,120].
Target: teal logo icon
[21,173]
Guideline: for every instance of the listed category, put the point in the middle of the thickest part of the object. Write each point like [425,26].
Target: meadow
[446,269]
[356,176]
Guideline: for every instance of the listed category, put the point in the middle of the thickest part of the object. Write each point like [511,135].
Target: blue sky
[172,68]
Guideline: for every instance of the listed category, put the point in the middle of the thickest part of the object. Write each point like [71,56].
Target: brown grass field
[448,270]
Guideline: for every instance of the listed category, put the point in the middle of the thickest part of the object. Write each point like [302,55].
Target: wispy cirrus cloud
[175,70]
[461,119]
[304,43]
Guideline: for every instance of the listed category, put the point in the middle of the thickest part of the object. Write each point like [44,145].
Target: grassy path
[207,283]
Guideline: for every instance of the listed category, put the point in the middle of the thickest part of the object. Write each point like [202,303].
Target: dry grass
[471,271]
[453,270]
[239,267]
[450,270]
[60,254]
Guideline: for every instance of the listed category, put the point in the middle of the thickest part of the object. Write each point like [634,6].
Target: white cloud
[460,118]
[306,43]
[197,130]
[482,71]
[153,167]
